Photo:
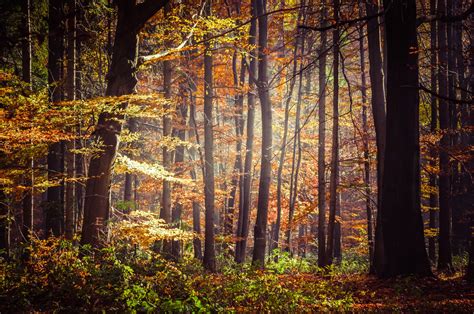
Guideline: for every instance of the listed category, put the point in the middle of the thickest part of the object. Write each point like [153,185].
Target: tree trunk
[444,254]
[402,225]
[53,207]
[121,81]
[377,87]
[334,179]
[244,210]
[322,145]
[179,160]
[28,198]
[365,130]
[70,203]
[209,247]
[433,126]
[266,159]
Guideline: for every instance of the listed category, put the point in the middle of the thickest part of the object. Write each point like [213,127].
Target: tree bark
[121,81]
[322,145]
[365,129]
[244,210]
[334,179]
[209,246]
[53,207]
[444,253]
[402,225]
[70,203]
[28,198]
[433,127]
[377,87]
[266,159]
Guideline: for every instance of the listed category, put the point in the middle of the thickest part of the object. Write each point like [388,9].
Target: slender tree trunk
[28,199]
[365,128]
[179,160]
[281,163]
[70,203]
[334,179]
[377,87]
[244,210]
[53,209]
[121,81]
[239,80]
[196,206]
[402,225]
[266,161]
[209,246]
[433,127]
[444,254]
[322,145]
[129,177]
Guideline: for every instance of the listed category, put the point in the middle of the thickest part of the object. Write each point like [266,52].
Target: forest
[236,156]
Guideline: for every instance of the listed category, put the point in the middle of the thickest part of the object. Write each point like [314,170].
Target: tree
[121,81]
[444,256]
[402,226]
[244,209]
[209,246]
[322,145]
[377,89]
[334,179]
[54,205]
[266,158]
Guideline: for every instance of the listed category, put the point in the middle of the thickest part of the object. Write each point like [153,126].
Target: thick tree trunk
[121,81]
[402,225]
[444,254]
[209,246]
[244,210]
[334,179]
[54,207]
[266,160]
[322,146]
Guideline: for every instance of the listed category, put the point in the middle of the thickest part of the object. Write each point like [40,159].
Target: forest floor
[59,276]
[445,294]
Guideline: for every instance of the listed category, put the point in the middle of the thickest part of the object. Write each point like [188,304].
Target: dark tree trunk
[70,203]
[121,81]
[266,161]
[444,253]
[322,146]
[365,130]
[209,246]
[402,225]
[377,88]
[433,126]
[244,210]
[53,207]
[334,179]
[281,163]
[237,181]
[28,200]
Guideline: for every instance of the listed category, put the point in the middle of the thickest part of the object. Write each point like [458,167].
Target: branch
[341,23]
[456,101]
[144,11]
[158,56]
[447,18]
